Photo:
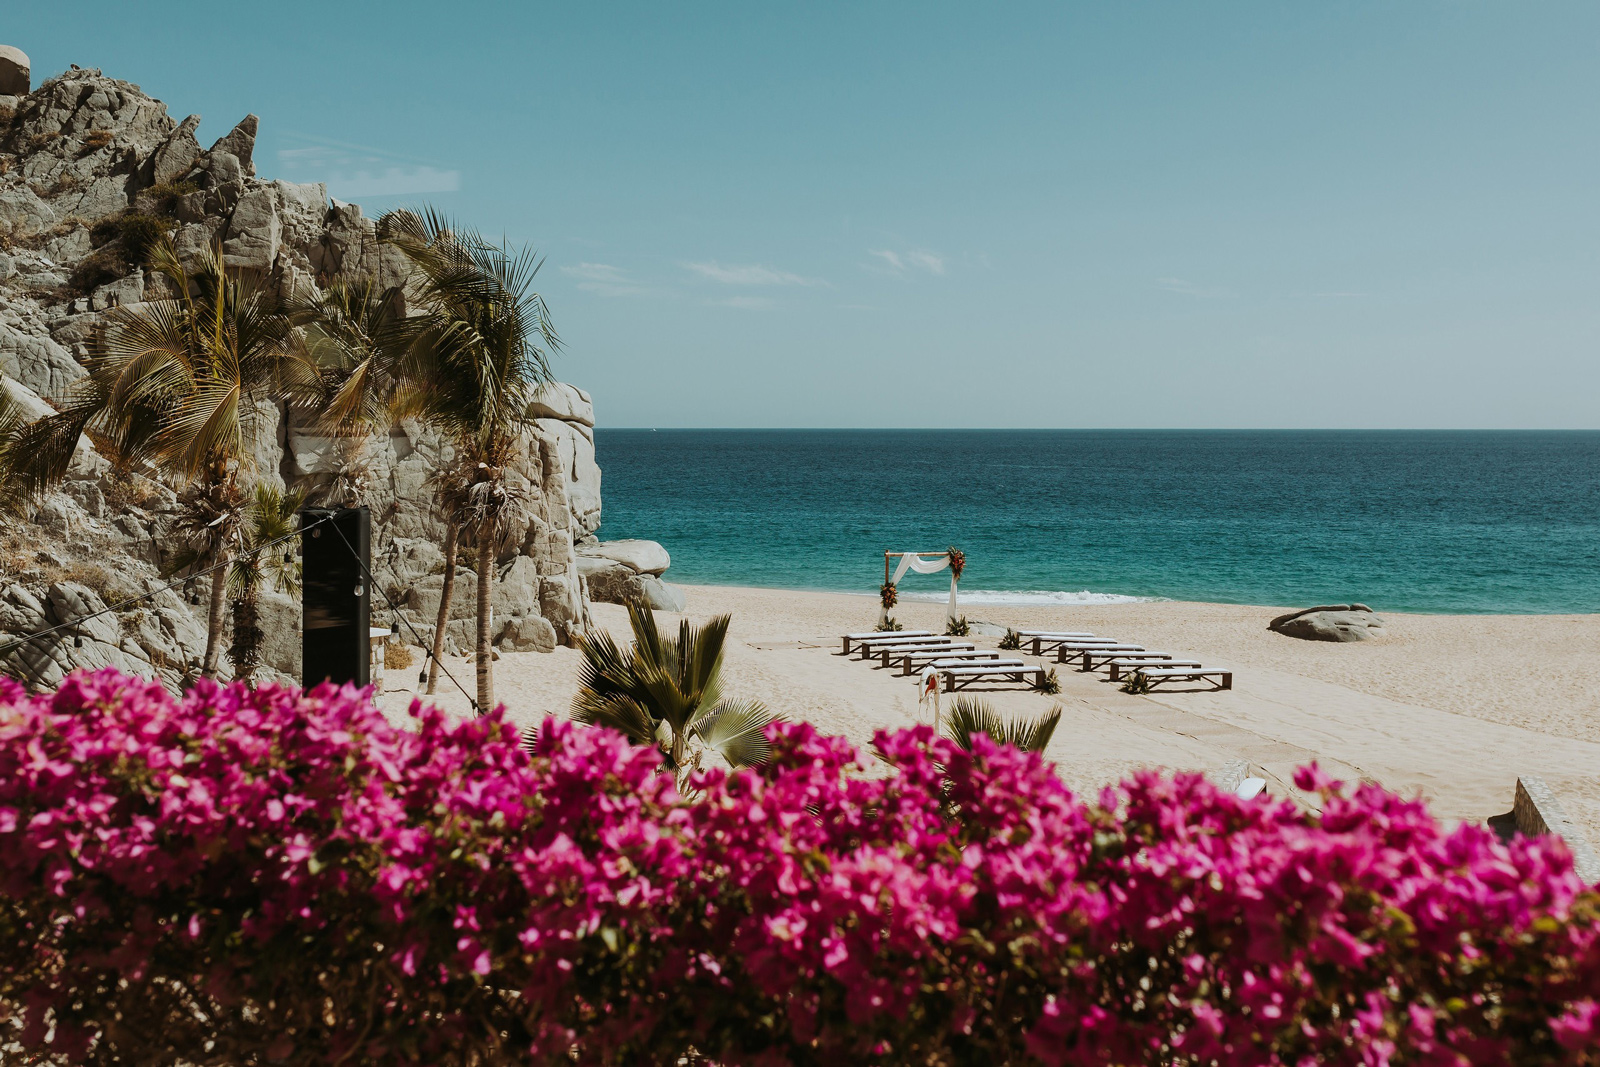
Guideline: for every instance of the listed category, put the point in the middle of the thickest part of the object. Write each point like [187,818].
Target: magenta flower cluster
[263,876]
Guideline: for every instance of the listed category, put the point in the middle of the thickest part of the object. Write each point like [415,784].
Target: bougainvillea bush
[264,876]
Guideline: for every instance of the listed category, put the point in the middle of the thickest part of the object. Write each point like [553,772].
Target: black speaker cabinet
[335,559]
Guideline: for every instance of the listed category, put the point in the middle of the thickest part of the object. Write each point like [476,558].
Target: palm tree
[969,716]
[269,522]
[179,383]
[373,371]
[668,693]
[483,348]
[453,500]
[360,341]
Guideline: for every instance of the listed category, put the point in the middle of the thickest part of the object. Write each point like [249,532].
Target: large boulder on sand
[641,557]
[610,582]
[15,71]
[1329,622]
[660,596]
[528,633]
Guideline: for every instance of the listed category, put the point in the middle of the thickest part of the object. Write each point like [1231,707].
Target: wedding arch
[921,563]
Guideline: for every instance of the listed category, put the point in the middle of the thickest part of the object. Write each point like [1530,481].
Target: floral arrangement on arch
[888,595]
[958,562]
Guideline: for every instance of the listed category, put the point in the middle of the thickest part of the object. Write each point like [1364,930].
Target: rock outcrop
[83,158]
[628,572]
[1329,622]
[15,71]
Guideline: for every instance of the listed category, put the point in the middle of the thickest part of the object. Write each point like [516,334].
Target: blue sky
[1054,215]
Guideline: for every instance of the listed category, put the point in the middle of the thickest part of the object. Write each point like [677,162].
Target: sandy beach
[1453,707]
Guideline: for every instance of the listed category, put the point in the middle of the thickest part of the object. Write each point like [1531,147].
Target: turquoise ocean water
[1447,521]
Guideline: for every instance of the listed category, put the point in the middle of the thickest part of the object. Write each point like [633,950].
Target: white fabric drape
[923,566]
[920,565]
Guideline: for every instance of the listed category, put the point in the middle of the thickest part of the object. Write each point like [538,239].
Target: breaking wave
[1024,596]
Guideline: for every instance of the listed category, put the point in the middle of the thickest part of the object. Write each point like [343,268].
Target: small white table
[376,636]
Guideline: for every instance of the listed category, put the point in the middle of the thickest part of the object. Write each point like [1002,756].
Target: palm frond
[487,335]
[625,715]
[270,519]
[675,684]
[969,716]
[736,731]
[12,493]
[40,452]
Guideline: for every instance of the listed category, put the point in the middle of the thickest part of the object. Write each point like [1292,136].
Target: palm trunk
[245,652]
[485,652]
[446,593]
[219,601]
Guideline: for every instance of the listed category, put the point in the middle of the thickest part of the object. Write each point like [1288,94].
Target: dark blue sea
[1432,521]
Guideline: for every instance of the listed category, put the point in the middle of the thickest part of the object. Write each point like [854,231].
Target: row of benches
[960,663]
[1092,653]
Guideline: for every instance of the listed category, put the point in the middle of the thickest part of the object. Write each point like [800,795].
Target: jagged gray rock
[82,149]
[240,143]
[176,155]
[37,362]
[254,231]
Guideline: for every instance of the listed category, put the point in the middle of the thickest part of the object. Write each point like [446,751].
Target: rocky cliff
[90,167]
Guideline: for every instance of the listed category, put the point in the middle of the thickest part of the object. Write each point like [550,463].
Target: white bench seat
[883,633]
[1069,652]
[1095,658]
[1041,641]
[961,677]
[1119,667]
[872,648]
[1223,679]
[891,653]
[916,661]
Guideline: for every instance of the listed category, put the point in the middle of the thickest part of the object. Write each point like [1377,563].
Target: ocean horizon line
[1060,598]
[1107,429]
[978,597]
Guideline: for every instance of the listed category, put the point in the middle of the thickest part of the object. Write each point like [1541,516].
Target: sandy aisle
[1452,706]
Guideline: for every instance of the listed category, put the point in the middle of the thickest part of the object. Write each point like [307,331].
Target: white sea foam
[1027,596]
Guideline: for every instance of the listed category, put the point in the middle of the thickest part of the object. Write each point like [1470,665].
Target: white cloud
[746,303]
[749,274]
[356,171]
[596,272]
[913,259]
[1178,285]
[603,279]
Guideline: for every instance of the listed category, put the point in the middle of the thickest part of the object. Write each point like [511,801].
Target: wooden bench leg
[1226,682]
[1116,672]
